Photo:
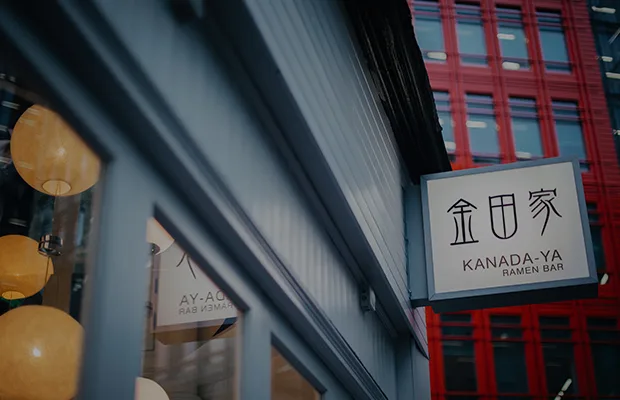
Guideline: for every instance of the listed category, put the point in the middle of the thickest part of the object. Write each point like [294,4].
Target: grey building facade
[273,141]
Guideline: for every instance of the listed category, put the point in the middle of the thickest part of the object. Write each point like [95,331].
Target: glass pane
[471,41]
[455,317]
[506,319]
[526,134]
[553,45]
[459,365]
[429,34]
[554,321]
[570,139]
[597,246]
[457,331]
[482,134]
[512,41]
[48,186]
[559,367]
[602,323]
[506,333]
[606,360]
[190,346]
[510,372]
[287,383]
[447,124]
[556,334]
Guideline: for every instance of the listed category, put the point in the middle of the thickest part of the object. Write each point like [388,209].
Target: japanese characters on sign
[511,227]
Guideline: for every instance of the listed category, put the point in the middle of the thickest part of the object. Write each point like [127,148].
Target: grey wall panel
[196,87]
[317,57]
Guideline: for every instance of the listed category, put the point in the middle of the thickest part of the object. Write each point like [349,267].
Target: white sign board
[185,295]
[506,228]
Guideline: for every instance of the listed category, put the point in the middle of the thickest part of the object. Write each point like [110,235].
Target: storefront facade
[261,148]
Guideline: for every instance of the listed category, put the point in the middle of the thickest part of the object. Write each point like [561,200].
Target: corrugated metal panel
[329,79]
[197,89]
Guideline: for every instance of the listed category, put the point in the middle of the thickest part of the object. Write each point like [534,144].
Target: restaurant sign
[506,235]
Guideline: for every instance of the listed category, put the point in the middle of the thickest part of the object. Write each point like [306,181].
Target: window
[605,346]
[458,353]
[428,30]
[597,239]
[509,354]
[482,129]
[558,355]
[49,179]
[470,32]
[442,102]
[512,40]
[568,130]
[552,40]
[525,128]
[287,383]
[190,345]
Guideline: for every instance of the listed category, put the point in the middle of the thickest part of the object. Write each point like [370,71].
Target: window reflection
[442,102]
[525,128]
[605,347]
[509,354]
[552,41]
[458,353]
[287,383]
[470,32]
[48,181]
[568,130]
[511,36]
[429,31]
[190,343]
[558,355]
[482,129]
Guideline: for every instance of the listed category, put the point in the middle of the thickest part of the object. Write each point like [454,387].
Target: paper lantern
[23,271]
[50,156]
[41,352]
[158,236]
[147,389]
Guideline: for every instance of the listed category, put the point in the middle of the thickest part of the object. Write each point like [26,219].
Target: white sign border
[589,280]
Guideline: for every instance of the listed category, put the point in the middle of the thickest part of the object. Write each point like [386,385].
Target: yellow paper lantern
[50,156]
[41,353]
[147,389]
[158,236]
[23,271]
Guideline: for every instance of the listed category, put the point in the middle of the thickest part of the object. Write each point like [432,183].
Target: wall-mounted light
[437,55]
[506,36]
[604,279]
[476,124]
[511,65]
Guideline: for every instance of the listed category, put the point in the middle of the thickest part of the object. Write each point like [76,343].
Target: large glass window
[558,355]
[442,102]
[525,128]
[596,232]
[190,349]
[458,353]
[48,185]
[512,40]
[482,129]
[553,42]
[509,354]
[470,32]
[287,383]
[568,130]
[605,346]
[428,30]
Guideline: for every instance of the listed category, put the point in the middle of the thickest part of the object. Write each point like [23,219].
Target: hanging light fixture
[23,270]
[147,389]
[50,156]
[41,353]
[157,236]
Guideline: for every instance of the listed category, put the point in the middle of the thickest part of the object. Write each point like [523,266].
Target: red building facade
[513,80]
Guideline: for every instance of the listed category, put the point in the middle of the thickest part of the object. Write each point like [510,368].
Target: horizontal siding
[230,137]
[320,62]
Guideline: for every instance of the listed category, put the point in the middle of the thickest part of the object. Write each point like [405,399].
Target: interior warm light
[147,389]
[23,271]
[50,156]
[607,58]
[476,124]
[612,75]
[506,36]
[523,154]
[157,236]
[41,351]
[605,10]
